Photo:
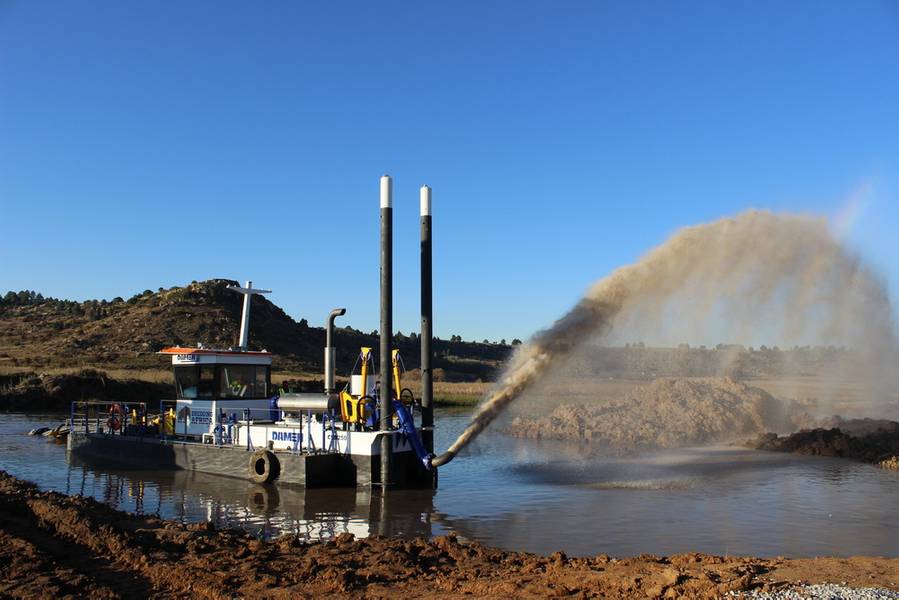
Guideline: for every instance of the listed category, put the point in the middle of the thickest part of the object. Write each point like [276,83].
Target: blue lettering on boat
[285,436]
[200,417]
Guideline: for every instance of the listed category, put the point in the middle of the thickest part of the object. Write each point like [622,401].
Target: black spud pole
[384,360]
[427,313]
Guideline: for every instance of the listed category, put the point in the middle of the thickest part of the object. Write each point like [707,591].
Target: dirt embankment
[866,440]
[33,391]
[667,413]
[57,546]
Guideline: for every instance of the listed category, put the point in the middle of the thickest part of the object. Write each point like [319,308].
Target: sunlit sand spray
[750,262]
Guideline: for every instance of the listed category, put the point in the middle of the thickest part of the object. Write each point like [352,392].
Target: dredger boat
[227,419]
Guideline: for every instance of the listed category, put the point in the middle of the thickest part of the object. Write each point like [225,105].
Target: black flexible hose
[443,459]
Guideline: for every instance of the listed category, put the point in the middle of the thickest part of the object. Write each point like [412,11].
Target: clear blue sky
[146,144]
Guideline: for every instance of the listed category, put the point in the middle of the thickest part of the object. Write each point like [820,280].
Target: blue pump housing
[407,425]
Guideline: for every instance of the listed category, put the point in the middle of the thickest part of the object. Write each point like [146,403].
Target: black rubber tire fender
[264,466]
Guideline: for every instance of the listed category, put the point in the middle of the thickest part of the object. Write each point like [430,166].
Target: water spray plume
[747,263]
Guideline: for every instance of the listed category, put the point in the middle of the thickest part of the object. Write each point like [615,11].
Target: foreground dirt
[53,545]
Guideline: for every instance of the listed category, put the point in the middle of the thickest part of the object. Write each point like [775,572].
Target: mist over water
[755,278]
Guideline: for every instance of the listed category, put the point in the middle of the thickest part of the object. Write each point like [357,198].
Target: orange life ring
[114,422]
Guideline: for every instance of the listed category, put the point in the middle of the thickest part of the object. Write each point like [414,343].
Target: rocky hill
[38,332]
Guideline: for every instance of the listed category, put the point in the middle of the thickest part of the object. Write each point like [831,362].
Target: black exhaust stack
[330,351]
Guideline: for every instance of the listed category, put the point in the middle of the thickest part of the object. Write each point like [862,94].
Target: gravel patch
[824,591]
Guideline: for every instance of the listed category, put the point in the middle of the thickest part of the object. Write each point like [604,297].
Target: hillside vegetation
[40,333]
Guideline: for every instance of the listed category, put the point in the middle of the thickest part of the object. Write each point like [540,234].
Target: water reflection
[522,495]
[267,510]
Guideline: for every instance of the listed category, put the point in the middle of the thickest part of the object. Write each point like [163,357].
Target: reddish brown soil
[53,545]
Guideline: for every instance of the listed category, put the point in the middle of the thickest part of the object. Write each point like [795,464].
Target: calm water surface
[523,495]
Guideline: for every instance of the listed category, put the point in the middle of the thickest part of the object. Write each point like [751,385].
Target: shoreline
[55,390]
[58,545]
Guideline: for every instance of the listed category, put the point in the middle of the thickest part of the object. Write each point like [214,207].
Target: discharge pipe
[443,459]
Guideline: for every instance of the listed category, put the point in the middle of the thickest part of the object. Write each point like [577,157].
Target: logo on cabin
[187,357]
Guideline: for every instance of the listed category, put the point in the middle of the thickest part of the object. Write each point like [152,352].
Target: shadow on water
[664,469]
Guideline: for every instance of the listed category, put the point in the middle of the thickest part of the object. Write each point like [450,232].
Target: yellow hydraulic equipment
[352,408]
[395,363]
[166,422]
[403,395]
[366,361]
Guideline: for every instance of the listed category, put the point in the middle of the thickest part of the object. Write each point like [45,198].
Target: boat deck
[323,469]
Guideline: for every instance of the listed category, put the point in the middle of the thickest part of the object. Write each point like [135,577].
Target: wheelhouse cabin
[208,374]
[213,386]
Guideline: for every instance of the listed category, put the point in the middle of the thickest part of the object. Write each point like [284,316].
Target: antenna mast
[247,292]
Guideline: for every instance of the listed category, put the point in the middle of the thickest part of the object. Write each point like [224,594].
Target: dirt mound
[59,546]
[865,440]
[667,413]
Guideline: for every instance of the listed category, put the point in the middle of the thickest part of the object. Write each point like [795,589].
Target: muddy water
[522,495]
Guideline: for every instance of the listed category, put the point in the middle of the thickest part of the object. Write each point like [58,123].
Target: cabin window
[186,382]
[243,381]
[222,381]
[206,387]
[262,382]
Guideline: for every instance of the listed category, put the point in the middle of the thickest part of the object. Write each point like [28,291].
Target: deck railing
[110,417]
[231,427]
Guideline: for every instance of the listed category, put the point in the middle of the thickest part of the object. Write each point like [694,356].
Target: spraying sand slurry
[668,413]
[784,275]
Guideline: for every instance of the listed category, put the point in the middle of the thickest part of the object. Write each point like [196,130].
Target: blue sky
[150,144]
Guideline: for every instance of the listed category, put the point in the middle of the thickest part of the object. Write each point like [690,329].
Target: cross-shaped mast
[247,292]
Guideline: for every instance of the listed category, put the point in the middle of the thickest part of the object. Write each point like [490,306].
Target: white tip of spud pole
[386,192]
[425,201]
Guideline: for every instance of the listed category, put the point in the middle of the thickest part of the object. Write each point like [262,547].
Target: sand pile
[667,413]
